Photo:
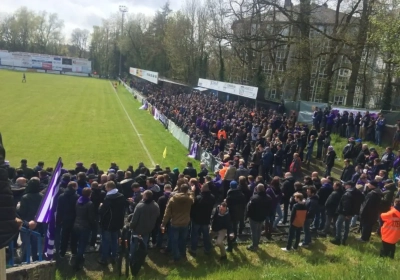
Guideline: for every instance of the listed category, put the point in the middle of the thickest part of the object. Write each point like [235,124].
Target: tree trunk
[304,48]
[360,44]
[387,93]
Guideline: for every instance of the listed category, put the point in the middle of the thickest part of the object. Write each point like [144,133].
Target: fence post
[3,275]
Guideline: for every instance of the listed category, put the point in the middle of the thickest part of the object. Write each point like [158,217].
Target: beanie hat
[233,185]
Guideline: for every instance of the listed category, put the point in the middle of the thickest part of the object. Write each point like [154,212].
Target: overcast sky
[86,13]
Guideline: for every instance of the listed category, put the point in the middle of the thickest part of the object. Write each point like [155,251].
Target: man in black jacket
[258,209]
[162,203]
[348,171]
[221,227]
[201,216]
[287,192]
[369,211]
[65,218]
[190,171]
[237,205]
[97,197]
[29,206]
[112,213]
[323,193]
[349,206]
[312,205]
[331,206]
[278,161]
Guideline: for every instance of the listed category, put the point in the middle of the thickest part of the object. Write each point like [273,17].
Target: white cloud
[85,13]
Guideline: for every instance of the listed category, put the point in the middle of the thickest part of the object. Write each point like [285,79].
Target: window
[280,67]
[338,100]
[280,55]
[344,72]
[272,93]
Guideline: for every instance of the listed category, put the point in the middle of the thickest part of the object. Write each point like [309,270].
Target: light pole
[123,10]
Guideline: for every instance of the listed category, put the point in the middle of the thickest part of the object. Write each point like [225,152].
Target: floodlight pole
[123,10]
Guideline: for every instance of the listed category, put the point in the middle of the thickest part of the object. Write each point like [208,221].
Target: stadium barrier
[212,162]
[27,246]
[40,71]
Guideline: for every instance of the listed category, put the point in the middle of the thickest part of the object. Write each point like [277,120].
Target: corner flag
[165,153]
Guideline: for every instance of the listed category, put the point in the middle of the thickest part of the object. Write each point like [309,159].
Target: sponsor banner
[235,89]
[156,114]
[144,74]
[76,74]
[33,70]
[163,119]
[53,72]
[20,69]
[47,66]
[41,71]
[36,64]
[179,134]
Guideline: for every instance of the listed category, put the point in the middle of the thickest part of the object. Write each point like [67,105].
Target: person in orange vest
[390,230]
[221,133]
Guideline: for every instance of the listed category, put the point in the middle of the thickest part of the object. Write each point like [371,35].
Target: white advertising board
[144,74]
[235,89]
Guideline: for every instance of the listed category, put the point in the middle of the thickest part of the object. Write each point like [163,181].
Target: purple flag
[47,209]
[193,150]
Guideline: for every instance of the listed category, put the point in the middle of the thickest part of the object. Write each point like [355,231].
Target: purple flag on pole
[193,150]
[47,209]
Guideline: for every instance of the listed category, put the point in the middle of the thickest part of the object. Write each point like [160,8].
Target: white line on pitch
[134,127]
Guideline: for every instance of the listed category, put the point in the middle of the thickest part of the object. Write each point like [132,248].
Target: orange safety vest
[390,230]
[220,133]
[222,172]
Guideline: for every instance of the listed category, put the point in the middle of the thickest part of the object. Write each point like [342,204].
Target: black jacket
[330,159]
[259,207]
[30,202]
[112,212]
[278,158]
[312,206]
[332,203]
[66,208]
[220,222]
[8,226]
[162,204]
[125,187]
[360,160]
[350,202]
[190,171]
[347,173]
[369,211]
[236,203]
[97,198]
[288,188]
[85,215]
[323,193]
[387,198]
[202,208]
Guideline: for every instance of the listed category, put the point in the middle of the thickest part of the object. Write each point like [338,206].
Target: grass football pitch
[80,119]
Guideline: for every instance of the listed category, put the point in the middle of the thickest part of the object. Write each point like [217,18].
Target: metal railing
[26,243]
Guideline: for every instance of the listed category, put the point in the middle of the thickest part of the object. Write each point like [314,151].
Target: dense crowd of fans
[261,183]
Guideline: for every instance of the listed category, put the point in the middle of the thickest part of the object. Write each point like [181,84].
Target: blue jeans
[33,246]
[205,231]
[280,215]
[353,222]
[278,170]
[378,137]
[307,233]
[145,238]
[294,232]
[82,236]
[109,244]
[319,221]
[256,228]
[179,235]
[339,226]
[309,154]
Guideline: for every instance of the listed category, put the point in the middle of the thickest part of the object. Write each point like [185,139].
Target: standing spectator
[229,177]
[112,213]
[143,220]
[162,204]
[82,183]
[203,172]
[137,191]
[349,206]
[295,167]
[331,206]
[97,198]
[357,124]
[38,168]
[369,211]
[320,144]
[29,205]
[350,126]
[330,161]
[348,171]
[236,202]
[85,222]
[327,143]
[379,128]
[287,192]
[190,171]
[201,217]
[27,172]
[297,219]
[221,227]
[312,208]
[65,217]
[323,193]
[267,163]
[278,161]
[178,211]
[258,210]
[390,230]
[310,148]
[388,159]
[241,171]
